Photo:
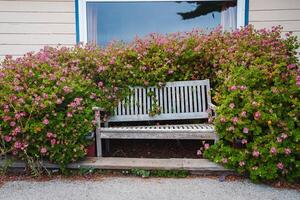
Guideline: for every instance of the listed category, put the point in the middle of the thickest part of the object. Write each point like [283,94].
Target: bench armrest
[212,109]
[212,106]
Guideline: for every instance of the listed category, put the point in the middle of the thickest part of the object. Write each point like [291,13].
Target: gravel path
[138,189]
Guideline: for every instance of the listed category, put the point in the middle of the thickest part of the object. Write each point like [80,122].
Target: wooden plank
[274,4]
[168,116]
[159,135]
[37,6]
[25,28]
[173,100]
[44,39]
[19,50]
[177,99]
[186,99]
[119,108]
[148,100]
[204,100]
[140,101]
[193,165]
[274,15]
[182,102]
[195,98]
[66,18]
[136,101]
[169,100]
[165,107]
[287,25]
[144,101]
[191,98]
[161,102]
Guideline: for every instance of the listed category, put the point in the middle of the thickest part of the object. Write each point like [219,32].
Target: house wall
[268,13]
[28,25]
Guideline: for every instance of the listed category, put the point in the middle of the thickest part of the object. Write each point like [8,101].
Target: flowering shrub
[46,97]
[44,108]
[258,119]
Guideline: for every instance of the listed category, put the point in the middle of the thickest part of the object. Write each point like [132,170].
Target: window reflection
[122,21]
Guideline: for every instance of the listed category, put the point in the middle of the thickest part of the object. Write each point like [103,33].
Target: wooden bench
[180,100]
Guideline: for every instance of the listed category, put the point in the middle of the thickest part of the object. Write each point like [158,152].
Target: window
[106,21]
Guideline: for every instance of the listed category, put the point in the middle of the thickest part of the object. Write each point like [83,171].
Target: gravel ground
[137,189]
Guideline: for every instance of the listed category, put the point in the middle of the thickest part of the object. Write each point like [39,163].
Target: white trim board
[82,13]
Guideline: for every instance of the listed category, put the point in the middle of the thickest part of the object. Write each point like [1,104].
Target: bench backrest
[176,100]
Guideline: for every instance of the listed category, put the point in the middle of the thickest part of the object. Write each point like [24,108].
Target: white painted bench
[180,100]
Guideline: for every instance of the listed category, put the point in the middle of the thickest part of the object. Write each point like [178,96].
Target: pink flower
[245,130]
[112,61]
[298,83]
[199,152]
[280,165]
[100,69]
[16,131]
[17,116]
[18,145]
[291,66]
[244,114]
[287,151]
[206,146]
[58,101]
[284,135]
[67,89]
[223,120]
[7,138]
[49,135]
[279,139]
[232,88]
[257,115]
[46,121]
[69,114]
[12,124]
[170,71]
[235,120]
[255,153]
[241,163]
[244,141]
[224,160]
[93,96]
[53,141]
[273,150]
[43,150]
[242,87]
[231,105]
[100,84]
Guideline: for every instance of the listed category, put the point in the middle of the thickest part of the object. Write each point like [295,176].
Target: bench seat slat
[159,132]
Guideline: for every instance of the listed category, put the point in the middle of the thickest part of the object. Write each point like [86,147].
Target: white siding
[268,13]
[28,25]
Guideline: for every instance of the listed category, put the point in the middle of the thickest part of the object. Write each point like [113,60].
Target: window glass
[122,21]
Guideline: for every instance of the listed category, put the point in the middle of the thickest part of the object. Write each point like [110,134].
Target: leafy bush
[46,97]
[45,108]
[258,118]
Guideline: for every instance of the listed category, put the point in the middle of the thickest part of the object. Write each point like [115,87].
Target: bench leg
[99,144]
